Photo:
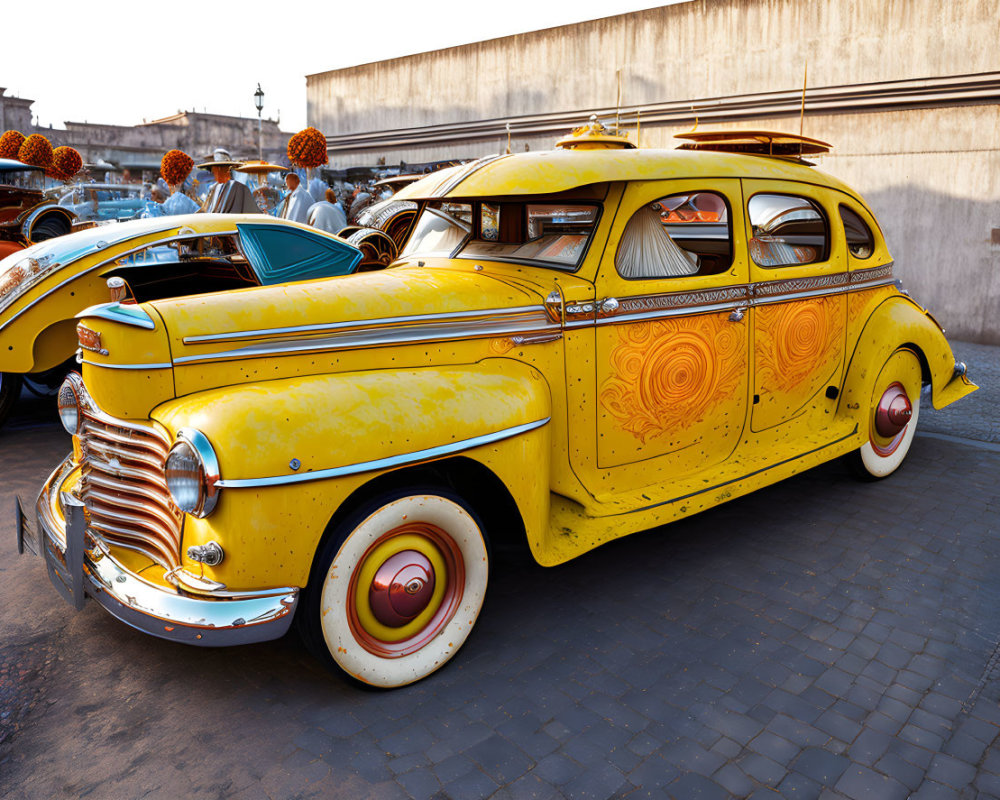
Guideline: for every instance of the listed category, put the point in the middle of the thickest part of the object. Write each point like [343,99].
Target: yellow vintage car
[43,287]
[572,346]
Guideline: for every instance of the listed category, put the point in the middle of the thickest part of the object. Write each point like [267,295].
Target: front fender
[899,322]
[291,450]
[39,212]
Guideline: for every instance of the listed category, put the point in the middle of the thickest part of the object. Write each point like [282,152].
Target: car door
[799,276]
[671,347]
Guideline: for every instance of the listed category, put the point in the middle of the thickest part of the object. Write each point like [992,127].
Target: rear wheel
[397,588]
[10,390]
[892,417]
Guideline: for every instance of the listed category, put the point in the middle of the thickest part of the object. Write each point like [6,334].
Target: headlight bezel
[207,468]
[68,398]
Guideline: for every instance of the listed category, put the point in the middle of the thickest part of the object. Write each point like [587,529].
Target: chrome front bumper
[80,566]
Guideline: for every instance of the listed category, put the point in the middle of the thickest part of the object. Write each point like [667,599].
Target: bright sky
[118,62]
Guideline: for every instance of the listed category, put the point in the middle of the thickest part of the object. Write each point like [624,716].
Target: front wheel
[892,417]
[10,390]
[397,588]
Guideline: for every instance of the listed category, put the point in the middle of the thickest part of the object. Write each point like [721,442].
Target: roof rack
[763,143]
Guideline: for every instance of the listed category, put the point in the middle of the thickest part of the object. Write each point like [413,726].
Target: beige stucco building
[908,92]
[140,147]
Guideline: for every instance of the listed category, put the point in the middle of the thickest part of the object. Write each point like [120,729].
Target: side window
[787,230]
[680,234]
[860,241]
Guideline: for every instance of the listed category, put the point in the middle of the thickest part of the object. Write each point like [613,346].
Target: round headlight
[192,472]
[69,406]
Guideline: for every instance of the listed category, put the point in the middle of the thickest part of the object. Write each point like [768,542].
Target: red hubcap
[892,415]
[402,588]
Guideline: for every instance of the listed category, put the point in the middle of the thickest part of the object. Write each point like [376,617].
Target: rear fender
[40,213]
[899,322]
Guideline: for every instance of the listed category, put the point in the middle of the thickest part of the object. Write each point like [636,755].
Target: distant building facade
[140,147]
[907,92]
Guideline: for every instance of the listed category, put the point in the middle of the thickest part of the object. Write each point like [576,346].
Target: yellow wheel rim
[373,560]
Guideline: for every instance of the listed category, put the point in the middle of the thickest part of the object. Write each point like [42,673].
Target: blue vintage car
[103,202]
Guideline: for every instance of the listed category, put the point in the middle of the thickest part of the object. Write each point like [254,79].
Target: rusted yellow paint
[649,418]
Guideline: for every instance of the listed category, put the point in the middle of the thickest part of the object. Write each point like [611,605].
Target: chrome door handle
[609,305]
[738,314]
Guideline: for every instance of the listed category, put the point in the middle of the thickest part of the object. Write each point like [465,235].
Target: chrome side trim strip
[385,463]
[670,312]
[165,365]
[532,320]
[380,337]
[364,323]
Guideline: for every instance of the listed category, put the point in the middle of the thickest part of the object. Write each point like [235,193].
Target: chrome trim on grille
[122,483]
[213,619]
[385,463]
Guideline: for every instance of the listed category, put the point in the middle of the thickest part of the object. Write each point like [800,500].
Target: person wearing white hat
[227,196]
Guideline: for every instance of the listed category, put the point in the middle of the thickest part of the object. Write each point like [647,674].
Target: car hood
[400,305]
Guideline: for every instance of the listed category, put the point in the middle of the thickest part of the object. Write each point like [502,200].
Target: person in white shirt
[179,203]
[297,200]
[327,215]
[318,188]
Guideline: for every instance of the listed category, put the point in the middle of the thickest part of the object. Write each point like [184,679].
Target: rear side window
[677,235]
[859,237]
[787,230]
[280,254]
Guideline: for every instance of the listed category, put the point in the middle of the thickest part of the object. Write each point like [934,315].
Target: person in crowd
[153,207]
[327,215]
[179,202]
[317,188]
[227,196]
[295,205]
[362,199]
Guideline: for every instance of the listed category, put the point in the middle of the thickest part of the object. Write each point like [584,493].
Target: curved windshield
[547,234]
[21,178]
[441,228]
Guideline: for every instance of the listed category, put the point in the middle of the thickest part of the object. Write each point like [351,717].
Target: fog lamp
[192,472]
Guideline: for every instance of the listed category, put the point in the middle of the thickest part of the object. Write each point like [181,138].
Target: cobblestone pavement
[821,638]
[978,415]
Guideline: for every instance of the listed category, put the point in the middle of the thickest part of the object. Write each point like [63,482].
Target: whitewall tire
[403,589]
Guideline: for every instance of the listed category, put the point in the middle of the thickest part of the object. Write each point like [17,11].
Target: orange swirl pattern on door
[798,347]
[667,375]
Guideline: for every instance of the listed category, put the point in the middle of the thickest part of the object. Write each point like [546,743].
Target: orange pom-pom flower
[175,166]
[10,143]
[36,150]
[307,148]
[66,162]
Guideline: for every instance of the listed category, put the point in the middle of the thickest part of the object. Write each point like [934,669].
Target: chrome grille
[123,487]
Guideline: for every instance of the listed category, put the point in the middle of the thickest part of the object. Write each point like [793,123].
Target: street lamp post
[258,100]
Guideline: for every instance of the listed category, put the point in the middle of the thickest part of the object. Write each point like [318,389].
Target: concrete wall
[927,158]
[707,48]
